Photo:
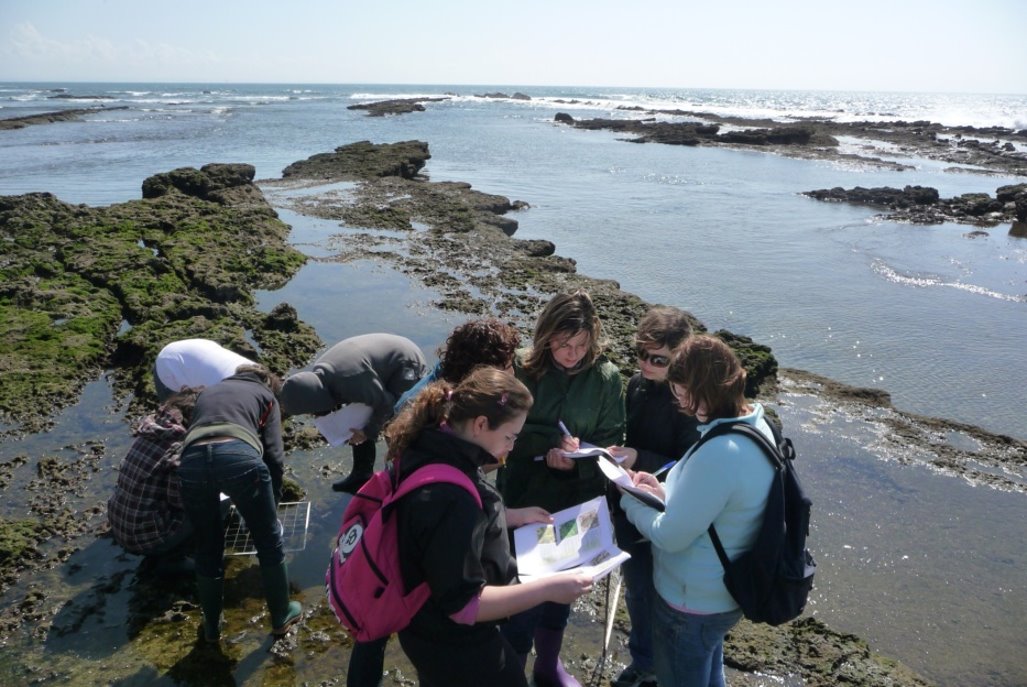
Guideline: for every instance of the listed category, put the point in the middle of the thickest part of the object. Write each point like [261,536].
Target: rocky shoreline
[113,284]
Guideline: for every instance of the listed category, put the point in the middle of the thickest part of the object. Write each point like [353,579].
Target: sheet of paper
[587,450]
[580,538]
[337,427]
[619,476]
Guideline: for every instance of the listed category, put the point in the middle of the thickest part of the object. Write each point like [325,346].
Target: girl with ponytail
[461,550]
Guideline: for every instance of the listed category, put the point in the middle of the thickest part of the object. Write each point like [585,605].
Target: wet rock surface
[362,160]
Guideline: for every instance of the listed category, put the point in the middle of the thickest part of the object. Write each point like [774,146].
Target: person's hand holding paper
[338,427]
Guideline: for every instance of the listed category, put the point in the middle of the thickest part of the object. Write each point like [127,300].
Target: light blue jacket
[725,482]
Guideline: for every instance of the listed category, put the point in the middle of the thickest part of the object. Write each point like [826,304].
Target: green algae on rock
[363,160]
[85,289]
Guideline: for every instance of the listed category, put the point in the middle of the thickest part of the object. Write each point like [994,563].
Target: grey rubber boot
[210,593]
[284,613]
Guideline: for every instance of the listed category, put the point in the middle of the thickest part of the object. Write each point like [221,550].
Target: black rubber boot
[363,468]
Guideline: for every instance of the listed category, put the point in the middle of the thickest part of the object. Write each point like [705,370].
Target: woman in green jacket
[579,397]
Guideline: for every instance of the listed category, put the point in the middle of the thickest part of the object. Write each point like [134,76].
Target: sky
[969,46]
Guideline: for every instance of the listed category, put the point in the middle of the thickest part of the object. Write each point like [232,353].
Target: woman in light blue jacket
[725,483]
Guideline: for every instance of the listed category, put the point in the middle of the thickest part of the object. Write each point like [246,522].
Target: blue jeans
[689,648]
[639,593]
[519,630]
[236,469]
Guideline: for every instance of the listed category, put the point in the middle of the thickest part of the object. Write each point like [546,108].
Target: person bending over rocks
[372,369]
[234,447]
[145,511]
[193,363]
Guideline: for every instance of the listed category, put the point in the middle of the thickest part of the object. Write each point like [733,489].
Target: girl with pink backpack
[461,548]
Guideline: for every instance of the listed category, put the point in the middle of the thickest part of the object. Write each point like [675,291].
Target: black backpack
[771,580]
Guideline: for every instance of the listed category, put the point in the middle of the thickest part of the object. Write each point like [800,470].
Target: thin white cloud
[38,56]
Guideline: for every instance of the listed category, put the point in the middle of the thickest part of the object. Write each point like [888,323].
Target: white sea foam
[928,281]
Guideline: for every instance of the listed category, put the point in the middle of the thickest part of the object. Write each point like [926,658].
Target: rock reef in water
[87,289]
[362,160]
[922,204]
[991,149]
[478,269]
[396,106]
[392,193]
[51,117]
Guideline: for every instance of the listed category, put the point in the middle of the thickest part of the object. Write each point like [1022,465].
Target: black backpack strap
[769,450]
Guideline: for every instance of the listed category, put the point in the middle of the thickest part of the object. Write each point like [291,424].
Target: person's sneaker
[633,677]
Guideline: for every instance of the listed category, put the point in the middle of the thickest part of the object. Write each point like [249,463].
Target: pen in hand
[563,428]
[666,467]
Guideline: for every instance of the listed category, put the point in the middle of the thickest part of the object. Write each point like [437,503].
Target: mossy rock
[86,289]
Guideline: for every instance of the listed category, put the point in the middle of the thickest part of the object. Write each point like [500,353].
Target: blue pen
[563,428]
[666,467]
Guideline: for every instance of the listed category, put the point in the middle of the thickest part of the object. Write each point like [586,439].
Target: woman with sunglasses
[579,397]
[658,433]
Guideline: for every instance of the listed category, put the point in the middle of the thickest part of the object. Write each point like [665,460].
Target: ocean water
[910,559]
[931,316]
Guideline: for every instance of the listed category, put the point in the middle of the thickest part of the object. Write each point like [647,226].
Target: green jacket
[591,405]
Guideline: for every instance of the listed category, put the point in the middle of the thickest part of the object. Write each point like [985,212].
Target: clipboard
[616,474]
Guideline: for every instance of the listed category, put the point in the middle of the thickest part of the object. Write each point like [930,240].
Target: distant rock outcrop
[693,133]
[397,106]
[51,117]
[922,204]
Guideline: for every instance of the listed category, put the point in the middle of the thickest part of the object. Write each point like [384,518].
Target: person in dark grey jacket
[234,447]
[373,369]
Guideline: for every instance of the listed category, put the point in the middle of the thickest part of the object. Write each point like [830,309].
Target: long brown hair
[497,395]
[711,374]
[565,315]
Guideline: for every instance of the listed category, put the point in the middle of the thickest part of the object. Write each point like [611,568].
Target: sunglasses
[654,360]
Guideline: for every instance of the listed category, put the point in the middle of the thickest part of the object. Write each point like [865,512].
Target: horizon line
[505,85]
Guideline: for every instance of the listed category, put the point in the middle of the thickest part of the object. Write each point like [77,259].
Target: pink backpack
[364,581]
